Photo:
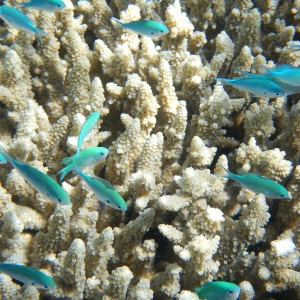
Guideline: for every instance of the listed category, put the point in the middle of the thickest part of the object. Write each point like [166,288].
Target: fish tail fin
[77,170]
[66,161]
[40,33]
[63,172]
[2,159]
[224,81]
[7,156]
[229,174]
[117,22]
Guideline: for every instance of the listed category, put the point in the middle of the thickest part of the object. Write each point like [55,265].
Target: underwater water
[153,218]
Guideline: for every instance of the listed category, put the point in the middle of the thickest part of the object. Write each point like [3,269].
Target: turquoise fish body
[17,19]
[258,184]
[46,5]
[87,127]
[148,28]
[218,290]
[257,87]
[2,159]
[288,89]
[285,73]
[39,180]
[28,276]
[104,191]
[86,158]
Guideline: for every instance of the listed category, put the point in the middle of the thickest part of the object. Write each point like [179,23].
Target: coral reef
[169,129]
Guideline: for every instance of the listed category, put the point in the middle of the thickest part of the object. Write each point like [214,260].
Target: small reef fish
[2,159]
[258,184]
[46,5]
[218,290]
[17,19]
[40,181]
[255,86]
[148,28]
[86,158]
[104,191]
[28,276]
[285,73]
[87,127]
[288,89]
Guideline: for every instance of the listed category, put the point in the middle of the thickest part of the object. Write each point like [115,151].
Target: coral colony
[150,113]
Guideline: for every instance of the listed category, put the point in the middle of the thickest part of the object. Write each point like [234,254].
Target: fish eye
[108,201]
[45,286]
[282,196]
[230,292]
[152,32]
[59,200]
[58,5]
[277,94]
[101,153]
[161,31]
[119,206]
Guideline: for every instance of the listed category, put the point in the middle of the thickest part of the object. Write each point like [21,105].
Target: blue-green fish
[40,181]
[147,28]
[28,276]
[258,184]
[218,290]
[86,158]
[104,191]
[17,19]
[2,159]
[255,86]
[46,5]
[295,48]
[288,89]
[285,73]
[87,127]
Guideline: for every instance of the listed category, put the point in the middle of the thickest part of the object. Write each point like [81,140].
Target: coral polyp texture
[169,128]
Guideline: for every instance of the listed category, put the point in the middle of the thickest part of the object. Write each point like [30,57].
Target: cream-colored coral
[124,152]
[214,114]
[141,291]
[120,279]
[170,129]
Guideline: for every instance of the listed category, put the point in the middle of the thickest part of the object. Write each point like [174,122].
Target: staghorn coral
[169,129]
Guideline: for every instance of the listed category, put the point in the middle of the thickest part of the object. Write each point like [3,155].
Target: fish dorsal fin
[244,73]
[241,172]
[284,67]
[87,128]
[260,176]
[200,288]
[116,22]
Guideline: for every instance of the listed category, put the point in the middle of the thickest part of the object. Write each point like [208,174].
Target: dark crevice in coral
[164,251]
[236,216]
[31,231]
[259,247]
[274,135]
[90,38]
[220,151]
[292,100]
[285,295]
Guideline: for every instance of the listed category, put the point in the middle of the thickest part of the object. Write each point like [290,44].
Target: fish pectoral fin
[236,184]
